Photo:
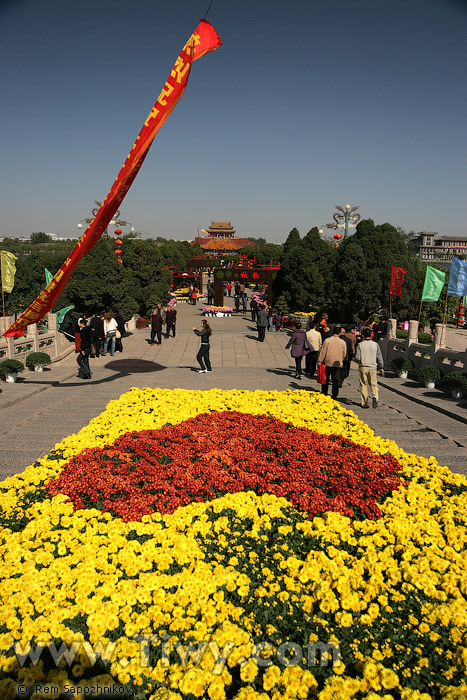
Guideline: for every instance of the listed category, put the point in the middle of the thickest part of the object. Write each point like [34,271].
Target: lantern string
[208,10]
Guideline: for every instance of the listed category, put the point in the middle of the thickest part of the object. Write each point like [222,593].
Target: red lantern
[118,231]
[118,242]
[118,251]
[337,236]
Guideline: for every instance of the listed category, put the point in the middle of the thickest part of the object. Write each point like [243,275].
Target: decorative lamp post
[344,220]
[116,221]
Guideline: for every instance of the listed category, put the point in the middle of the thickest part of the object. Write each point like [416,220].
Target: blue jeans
[109,339]
[270,323]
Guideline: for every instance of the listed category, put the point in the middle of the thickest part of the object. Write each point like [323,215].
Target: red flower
[218,453]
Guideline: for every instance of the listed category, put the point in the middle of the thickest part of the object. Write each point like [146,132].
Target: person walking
[156,325]
[315,340]
[110,334]
[370,359]
[351,340]
[120,333]
[270,317]
[253,308]
[299,347]
[332,354]
[229,288]
[171,320]
[261,322]
[97,326]
[203,353]
[82,359]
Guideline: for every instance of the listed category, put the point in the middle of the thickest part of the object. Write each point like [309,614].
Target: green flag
[434,281]
[48,276]
[61,313]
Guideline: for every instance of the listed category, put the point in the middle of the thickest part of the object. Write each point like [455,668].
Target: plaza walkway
[43,408]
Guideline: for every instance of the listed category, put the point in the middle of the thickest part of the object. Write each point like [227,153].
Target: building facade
[439,249]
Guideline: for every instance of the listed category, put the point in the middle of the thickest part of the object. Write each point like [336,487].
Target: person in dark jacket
[203,352]
[86,347]
[156,325]
[261,322]
[299,348]
[121,329]
[170,319]
[253,308]
[97,336]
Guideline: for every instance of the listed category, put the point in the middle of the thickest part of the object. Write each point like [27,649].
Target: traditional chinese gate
[259,275]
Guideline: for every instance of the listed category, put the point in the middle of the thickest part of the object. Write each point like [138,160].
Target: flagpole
[3,295]
[390,306]
[445,308]
[420,312]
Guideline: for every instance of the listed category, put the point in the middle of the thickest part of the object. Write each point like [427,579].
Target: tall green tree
[304,267]
[361,273]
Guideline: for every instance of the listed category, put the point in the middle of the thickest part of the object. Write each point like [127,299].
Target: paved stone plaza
[43,408]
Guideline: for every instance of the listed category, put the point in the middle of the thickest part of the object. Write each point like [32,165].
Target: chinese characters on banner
[203,40]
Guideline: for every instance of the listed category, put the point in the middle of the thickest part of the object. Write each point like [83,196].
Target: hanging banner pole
[203,40]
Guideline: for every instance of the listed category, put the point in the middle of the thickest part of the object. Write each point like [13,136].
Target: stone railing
[52,342]
[421,354]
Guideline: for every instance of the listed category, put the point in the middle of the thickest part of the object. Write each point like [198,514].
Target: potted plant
[37,361]
[456,383]
[428,375]
[401,366]
[10,369]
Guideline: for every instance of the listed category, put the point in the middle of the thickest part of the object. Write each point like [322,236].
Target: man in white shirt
[370,359]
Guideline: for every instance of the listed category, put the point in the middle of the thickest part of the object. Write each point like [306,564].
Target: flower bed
[215,310]
[208,537]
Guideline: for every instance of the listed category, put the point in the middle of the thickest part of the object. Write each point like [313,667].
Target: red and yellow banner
[397,277]
[203,40]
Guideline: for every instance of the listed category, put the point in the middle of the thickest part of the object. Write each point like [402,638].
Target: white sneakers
[202,371]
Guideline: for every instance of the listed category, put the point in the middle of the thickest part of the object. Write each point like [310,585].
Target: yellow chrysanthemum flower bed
[242,597]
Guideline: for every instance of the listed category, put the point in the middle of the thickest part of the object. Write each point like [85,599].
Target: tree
[361,273]
[40,237]
[303,277]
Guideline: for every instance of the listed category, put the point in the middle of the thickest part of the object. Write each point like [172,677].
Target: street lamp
[115,221]
[345,220]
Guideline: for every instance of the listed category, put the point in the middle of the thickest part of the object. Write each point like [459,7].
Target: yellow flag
[8,270]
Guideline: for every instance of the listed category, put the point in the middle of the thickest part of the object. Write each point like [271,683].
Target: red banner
[397,277]
[203,40]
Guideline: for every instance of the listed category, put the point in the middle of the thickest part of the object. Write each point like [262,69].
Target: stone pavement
[43,408]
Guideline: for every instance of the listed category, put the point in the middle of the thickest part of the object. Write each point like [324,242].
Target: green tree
[303,277]
[40,237]
[361,273]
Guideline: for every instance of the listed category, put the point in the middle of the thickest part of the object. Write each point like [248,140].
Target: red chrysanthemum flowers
[218,453]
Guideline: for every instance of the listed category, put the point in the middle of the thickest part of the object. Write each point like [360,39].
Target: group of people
[98,335]
[159,318]
[331,351]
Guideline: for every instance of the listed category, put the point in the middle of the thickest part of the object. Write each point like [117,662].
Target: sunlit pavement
[43,408]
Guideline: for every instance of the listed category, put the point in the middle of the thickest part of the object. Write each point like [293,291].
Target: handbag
[118,334]
[321,378]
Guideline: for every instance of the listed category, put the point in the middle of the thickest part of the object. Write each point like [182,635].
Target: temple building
[221,239]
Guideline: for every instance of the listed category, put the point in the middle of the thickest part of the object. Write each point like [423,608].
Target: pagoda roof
[221,227]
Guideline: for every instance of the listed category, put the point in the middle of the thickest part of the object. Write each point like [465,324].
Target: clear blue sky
[305,106]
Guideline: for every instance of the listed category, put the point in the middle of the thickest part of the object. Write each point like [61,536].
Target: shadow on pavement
[133,366]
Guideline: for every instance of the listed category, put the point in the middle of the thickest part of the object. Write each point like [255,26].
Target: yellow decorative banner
[8,270]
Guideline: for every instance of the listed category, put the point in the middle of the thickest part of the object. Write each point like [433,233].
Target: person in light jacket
[370,359]
[299,347]
[332,354]
[110,333]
